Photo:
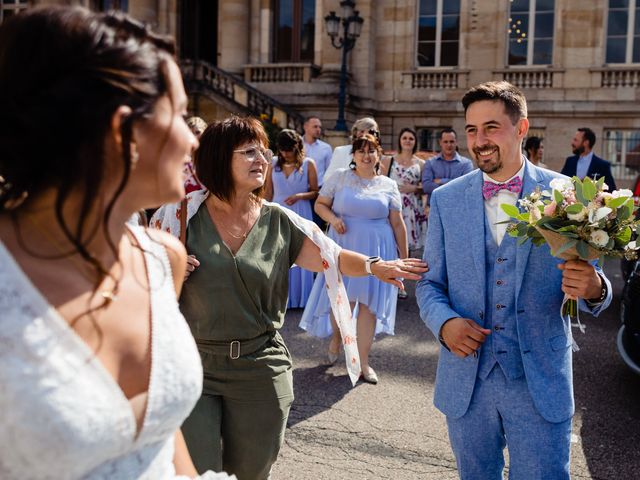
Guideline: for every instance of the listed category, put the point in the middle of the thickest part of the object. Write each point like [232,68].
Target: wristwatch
[603,294]
[370,261]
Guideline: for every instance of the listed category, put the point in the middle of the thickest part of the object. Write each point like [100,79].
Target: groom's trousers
[502,413]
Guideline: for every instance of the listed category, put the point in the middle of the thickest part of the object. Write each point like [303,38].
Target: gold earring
[134,156]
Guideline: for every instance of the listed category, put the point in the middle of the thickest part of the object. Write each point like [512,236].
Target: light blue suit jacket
[455,287]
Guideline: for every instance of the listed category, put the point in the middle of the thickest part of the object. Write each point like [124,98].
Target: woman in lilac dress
[364,211]
[292,181]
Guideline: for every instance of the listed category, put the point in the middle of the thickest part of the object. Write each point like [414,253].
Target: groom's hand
[463,336]
[580,279]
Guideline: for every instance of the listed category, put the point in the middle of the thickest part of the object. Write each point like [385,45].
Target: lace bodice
[379,184]
[62,415]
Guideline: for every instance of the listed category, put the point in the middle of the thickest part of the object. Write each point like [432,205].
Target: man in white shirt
[342,156]
[315,148]
[504,370]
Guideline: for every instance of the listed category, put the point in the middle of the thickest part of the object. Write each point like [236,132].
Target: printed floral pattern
[412,207]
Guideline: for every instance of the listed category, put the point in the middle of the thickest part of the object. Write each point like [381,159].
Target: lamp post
[352,26]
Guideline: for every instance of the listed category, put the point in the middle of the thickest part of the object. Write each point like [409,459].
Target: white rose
[599,238]
[623,192]
[561,184]
[580,216]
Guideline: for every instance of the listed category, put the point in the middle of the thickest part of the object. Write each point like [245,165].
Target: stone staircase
[235,94]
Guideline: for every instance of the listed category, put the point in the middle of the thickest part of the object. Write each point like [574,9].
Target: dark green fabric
[239,422]
[239,297]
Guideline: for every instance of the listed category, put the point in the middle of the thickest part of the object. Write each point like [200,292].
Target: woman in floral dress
[406,169]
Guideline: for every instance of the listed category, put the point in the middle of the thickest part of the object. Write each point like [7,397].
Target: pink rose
[550,209]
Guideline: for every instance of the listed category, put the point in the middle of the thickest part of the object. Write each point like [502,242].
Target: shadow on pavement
[316,390]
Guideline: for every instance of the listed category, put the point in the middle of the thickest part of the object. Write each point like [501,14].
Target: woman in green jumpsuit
[235,300]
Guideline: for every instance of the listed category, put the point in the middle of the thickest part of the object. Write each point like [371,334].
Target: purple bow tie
[489,189]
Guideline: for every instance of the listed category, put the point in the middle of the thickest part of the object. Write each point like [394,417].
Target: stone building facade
[577,62]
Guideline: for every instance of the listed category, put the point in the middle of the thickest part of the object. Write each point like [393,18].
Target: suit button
[500,260]
[499,282]
[497,328]
[498,306]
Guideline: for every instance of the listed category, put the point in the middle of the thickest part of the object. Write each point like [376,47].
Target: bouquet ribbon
[569,308]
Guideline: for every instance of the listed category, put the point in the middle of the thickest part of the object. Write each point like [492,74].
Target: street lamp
[352,26]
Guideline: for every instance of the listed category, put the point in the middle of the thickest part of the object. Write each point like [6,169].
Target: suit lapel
[530,183]
[574,167]
[594,168]
[474,209]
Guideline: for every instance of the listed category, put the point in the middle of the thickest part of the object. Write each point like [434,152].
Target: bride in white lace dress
[98,368]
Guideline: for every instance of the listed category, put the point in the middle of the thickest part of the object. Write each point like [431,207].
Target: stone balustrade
[279,72]
[528,78]
[619,77]
[436,79]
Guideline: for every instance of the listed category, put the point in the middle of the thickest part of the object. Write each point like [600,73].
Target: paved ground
[392,430]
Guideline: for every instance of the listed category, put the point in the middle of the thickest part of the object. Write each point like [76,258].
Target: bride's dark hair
[64,71]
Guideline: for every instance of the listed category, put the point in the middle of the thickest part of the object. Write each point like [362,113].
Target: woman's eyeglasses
[252,153]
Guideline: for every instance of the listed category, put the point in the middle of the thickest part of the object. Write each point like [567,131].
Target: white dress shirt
[492,209]
[341,159]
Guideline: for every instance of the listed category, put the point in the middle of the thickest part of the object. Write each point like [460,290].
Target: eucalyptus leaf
[617,202]
[522,240]
[566,246]
[575,208]
[522,229]
[582,248]
[629,203]
[557,196]
[588,189]
[624,236]
[623,212]
[579,194]
[510,210]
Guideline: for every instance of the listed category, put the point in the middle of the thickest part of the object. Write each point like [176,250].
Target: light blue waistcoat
[502,346]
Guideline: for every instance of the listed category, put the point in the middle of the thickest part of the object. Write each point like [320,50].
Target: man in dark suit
[584,163]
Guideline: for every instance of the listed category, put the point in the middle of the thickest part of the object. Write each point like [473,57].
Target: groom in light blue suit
[504,374]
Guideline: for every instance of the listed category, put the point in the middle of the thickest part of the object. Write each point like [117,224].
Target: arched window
[294,30]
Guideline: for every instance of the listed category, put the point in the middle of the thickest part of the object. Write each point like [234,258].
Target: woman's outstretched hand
[394,271]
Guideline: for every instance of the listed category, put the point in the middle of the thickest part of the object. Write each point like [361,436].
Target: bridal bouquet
[579,220]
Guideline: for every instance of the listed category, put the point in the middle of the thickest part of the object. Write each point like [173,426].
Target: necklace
[109,295]
[246,230]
